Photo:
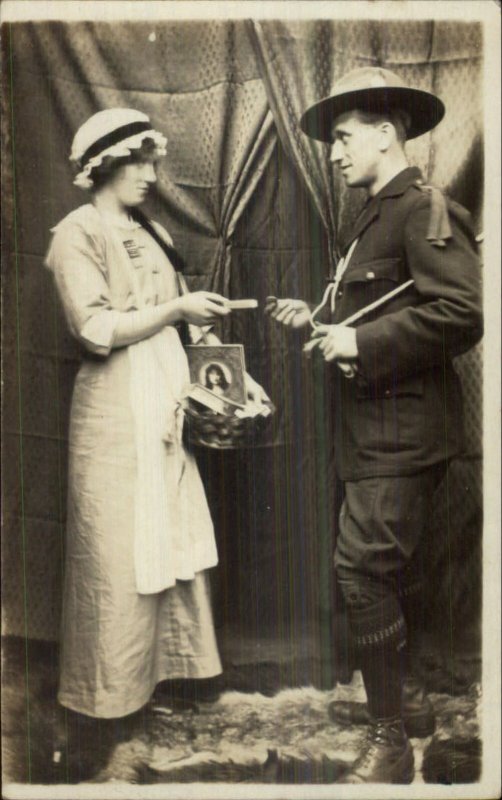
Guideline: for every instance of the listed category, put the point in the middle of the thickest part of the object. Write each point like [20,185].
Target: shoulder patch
[439,230]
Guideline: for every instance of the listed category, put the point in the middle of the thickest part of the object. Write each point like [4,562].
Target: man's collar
[394,188]
[399,183]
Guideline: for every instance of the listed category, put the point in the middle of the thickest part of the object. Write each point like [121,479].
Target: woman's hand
[292,313]
[255,393]
[202,308]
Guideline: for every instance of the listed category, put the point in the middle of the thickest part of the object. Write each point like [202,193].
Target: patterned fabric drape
[300,61]
[294,59]
[254,209]
[208,99]
[200,84]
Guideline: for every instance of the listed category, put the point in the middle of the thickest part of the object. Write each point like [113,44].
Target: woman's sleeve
[78,263]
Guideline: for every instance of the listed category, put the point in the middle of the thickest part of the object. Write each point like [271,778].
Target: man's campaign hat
[376,90]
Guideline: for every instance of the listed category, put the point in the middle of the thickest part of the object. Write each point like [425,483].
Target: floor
[268,724]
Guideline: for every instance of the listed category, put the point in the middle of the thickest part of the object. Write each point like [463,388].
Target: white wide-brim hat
[113,132]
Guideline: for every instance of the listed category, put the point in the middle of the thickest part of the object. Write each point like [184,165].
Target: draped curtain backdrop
[300,61]
[254,209]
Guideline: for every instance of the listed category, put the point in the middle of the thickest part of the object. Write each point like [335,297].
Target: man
[397,397]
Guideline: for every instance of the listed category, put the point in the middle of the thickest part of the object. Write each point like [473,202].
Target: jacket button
[370,275]
[339,293]
[387,393]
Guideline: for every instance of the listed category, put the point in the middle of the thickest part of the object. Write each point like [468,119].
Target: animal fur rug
[269,736]
[288,738]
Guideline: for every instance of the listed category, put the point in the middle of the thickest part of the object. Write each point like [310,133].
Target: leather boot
[418,715]
[387,756]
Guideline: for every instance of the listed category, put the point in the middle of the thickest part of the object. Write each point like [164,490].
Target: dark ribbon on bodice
[172,254]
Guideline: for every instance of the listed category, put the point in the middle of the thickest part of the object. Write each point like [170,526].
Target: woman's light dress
[139,532]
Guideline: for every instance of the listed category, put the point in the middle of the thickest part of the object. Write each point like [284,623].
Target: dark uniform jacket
[402,412]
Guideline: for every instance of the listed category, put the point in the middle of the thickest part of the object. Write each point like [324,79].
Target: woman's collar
[118,220]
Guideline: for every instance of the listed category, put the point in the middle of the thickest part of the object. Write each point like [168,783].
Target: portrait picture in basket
[216,377]
[219,368]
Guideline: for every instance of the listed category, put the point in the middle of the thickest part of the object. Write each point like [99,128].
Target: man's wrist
[354,342]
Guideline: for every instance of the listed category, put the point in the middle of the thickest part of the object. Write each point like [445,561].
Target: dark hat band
[116,136]
[424,109]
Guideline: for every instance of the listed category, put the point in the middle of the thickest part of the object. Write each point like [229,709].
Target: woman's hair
[216,368]
[103,173]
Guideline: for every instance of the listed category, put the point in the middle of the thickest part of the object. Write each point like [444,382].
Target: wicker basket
[204,428]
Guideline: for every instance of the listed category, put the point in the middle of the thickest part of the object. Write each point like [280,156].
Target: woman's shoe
[82,745]
[181,695]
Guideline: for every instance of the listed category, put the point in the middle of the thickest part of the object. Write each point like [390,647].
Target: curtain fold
[199,83]
[290,90]
[300,61]
[236,193]
[229,96]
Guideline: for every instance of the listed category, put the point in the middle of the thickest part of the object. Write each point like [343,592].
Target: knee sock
[414,615]
[379,633]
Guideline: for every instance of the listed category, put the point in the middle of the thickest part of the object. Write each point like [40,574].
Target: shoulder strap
[439,230]
[175,259]
[172,254]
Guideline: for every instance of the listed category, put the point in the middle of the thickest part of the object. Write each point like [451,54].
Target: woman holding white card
[139,534]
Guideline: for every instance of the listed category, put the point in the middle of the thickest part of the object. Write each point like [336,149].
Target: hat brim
[424,109]
[121,149]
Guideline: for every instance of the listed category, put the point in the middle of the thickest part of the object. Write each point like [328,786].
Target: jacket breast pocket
[373,273]
[367,282]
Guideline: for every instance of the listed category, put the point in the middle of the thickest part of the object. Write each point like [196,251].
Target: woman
[139,534]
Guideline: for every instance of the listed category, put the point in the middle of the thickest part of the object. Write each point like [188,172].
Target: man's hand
[336,343]
[292,313]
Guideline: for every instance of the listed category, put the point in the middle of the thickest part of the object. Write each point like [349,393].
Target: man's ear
[387,135]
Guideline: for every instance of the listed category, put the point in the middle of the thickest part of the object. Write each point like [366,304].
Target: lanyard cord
[332,287]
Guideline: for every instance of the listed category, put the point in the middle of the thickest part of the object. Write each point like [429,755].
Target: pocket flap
[381,269]
[411,386]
